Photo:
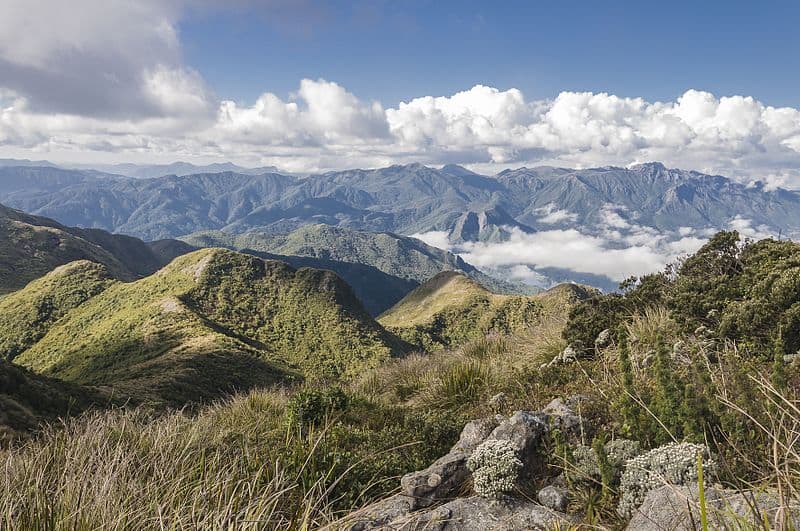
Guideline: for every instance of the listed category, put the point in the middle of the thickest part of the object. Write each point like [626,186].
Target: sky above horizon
[313,85]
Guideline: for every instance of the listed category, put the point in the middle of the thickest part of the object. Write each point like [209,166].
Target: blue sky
[394,51]
[313,85]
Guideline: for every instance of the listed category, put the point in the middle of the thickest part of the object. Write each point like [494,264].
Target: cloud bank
[113,84]
[613,247]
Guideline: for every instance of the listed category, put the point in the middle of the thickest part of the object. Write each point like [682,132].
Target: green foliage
[312,406]
[742,291]
[590,317]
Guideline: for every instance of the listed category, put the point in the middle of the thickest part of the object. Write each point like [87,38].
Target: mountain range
[403,199]
[618,207]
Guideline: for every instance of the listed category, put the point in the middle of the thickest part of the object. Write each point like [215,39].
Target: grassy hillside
[26,315]
[211,322]
[31,246]
[27,399]
[381,267]
[452,308]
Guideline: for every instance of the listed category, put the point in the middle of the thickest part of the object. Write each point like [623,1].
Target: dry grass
[125,470]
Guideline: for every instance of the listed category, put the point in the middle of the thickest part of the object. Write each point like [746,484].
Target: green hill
[26,315]
[31,246]
[381,267]
[211,322]
[452,308]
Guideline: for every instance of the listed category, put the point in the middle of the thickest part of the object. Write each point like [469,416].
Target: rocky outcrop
[475,513]
[448,474]
[440,497]
[678,508]
[565,415]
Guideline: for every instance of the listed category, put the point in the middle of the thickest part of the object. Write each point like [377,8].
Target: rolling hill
[27,315]
[452,308]
[211,322]
[381,267]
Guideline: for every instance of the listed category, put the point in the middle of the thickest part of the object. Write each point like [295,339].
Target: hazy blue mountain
[401,199]
[647,194]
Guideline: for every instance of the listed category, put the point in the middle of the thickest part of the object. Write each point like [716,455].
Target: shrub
[592,316]
[311,406]
[495,468]
[671,464]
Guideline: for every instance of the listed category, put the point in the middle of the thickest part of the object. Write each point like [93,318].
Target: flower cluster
[495,468]
[672,464]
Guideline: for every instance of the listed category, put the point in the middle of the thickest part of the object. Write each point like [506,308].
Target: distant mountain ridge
[402,199]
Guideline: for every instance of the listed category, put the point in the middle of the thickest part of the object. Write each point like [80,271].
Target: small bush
[495,468]
[671,464]
[586,465]
[312,406]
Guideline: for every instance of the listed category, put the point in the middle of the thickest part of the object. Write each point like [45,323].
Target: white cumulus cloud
[109,78]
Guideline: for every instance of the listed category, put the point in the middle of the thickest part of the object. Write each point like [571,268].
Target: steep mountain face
[452,308]
[210,322]
[403,199]
[647,194]
[492,225]
[31,246]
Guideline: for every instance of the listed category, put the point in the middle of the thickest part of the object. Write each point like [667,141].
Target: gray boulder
[476,513]
[562,414]
[446,476]
[678,508]
[553,497]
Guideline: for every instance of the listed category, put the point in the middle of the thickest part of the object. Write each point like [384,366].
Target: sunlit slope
[211,322]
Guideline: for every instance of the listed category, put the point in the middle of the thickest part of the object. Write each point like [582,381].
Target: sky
[310,85]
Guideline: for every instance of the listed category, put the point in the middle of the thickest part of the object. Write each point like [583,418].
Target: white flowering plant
[495,468]
[671,464]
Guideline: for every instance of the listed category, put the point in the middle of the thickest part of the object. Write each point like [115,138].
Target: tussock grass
[238,464]
[126,470]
